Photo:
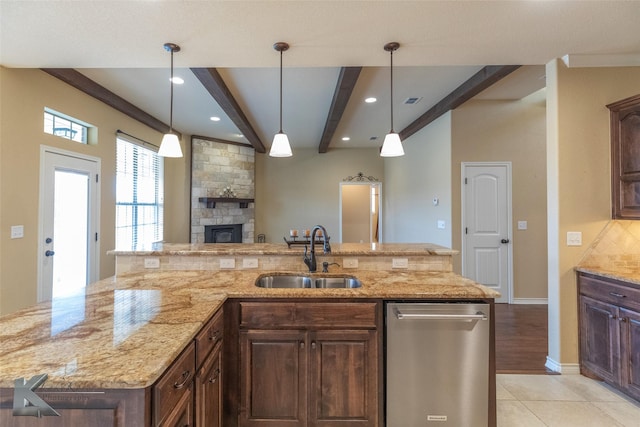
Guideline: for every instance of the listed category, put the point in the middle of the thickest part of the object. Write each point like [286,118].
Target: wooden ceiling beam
[344,88]
[215,85]
[81,82]
[467,90]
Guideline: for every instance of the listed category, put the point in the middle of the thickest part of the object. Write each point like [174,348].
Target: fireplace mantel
[211,201]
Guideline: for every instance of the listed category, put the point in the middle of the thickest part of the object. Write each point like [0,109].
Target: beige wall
[24,93]
[304,190]
[356,213]
[578,177]
[514,131]
[412,181]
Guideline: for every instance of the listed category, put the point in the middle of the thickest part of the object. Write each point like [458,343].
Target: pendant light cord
[171,96]
[281,92]
[391,53]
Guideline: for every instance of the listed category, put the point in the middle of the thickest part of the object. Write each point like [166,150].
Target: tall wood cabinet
[309,364]
[610,331]
[625,158]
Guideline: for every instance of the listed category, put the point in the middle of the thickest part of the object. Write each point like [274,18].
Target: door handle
[504,241]
[49,253]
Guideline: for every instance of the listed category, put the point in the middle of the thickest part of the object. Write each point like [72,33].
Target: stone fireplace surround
[215,166]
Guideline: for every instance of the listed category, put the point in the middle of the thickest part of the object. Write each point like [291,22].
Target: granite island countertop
[127,330]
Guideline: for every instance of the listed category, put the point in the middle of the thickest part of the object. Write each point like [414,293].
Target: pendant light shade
[392,146]
[280,146]
[170,146]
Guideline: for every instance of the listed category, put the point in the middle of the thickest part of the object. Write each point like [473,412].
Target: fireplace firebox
[227,233]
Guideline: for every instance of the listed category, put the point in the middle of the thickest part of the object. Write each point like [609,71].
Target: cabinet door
[209,392]
[343,376]
[182,414]
[273,372]
[630,351]
[599,342]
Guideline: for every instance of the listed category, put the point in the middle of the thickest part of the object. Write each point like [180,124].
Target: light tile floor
[562,401]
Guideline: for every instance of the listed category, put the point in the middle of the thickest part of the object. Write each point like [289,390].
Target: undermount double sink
[305,281]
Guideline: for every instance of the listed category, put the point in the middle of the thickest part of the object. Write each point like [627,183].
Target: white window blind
[139,196]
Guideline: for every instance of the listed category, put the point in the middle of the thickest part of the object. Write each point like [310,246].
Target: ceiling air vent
[412,100]
[373,138]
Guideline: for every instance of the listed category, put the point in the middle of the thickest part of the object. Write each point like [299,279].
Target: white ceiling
[119,44]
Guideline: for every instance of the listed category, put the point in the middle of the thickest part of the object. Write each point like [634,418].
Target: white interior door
[68,236]
[486,226]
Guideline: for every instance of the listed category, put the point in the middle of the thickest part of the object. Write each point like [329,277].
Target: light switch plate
[350,262]
[400,263]
[574,238]
[152,263]
[441,224]
[227,263]
[250,263]
[522,225]
[17,231]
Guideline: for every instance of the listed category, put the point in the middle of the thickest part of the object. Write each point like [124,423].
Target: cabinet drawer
[258,315]
[611,291]
[209,337]
[176,381]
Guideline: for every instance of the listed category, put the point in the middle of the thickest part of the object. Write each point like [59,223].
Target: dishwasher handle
[439,316]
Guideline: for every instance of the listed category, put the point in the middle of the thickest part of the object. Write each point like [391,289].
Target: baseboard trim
[530,301]
[562,368]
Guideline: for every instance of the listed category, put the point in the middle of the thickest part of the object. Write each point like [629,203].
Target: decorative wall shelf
[303,241]
[211,201]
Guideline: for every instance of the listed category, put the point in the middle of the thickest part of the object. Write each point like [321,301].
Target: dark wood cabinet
[625,158]
[610,331]
[173,393]
[208,380]
[305,364]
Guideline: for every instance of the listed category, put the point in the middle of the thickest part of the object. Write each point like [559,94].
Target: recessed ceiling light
[177,80]
[346,138]
[215,119]
[238,135]
[370,100]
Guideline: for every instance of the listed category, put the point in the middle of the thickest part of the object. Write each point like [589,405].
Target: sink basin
[285,282]
[298,281]
[337,282]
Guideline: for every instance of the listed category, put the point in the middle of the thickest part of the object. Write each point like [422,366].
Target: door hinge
[96,237]
[466,230]
[465,181]
[97,178]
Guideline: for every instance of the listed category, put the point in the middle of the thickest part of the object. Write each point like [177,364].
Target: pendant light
[392,146]
[280,146]
[170,146]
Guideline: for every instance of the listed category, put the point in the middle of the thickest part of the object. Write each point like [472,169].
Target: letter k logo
[26,402]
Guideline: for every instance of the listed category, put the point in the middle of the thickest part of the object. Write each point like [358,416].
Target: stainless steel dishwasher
[437,364]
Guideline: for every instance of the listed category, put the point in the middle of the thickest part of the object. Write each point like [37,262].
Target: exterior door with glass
[69,216]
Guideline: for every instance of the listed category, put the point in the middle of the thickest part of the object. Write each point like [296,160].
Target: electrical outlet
[250,263]
[400,263]
[441,224]
[227,263]
[350,262]
[574,238]
[152,263]
[17,231]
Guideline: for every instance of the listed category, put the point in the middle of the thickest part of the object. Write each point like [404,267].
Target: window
[139,196]
[60,125]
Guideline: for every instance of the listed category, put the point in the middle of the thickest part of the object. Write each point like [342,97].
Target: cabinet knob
[215,376]
[213,335]
[302,344]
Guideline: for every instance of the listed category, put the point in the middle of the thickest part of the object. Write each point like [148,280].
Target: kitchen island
[115,345]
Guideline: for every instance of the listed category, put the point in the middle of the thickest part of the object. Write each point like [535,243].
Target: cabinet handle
[622,319]
[617,295]
[215,376]
[313,345]
[185,378]
[611,316]
[213,336]
[302,344]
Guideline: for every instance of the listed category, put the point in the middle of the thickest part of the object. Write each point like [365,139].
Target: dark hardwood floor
[521,339]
